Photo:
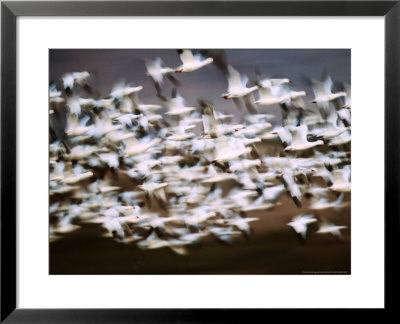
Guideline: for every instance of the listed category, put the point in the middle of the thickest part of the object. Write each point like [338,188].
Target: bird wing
[177,102]
[234,79]
[187,56]
[327,85]
[249,103]
[318,88]
[243,80]
[299,134]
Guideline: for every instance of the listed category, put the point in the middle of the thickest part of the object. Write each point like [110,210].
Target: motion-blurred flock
[163,174]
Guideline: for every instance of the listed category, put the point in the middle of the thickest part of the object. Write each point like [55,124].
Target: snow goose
[269,96]
[272,194]
[179,133]
[81,152]
[300,222]
[293,97]
[223,129]
[341,180]
[299,140]
[341,139]
[254,129]
[290,184]
[208,118]
[323,204]
[77,127]
[69,79]
[229,150]
[156,71]
[316,191]
[192,62]
[280,132]
[121,90]
[329,228]
[268,83]
[323,92]
[241,198]
[323,173]
[331,128]
[258,204]
[242,224]
[105,103]
[153,189]
[74,105]
[275,94]
[243,164]
[247,183]
[176,105]
[155,242]
[125,119]
[101,127]
[225,235]
[214,177]
[110,159]
[134,147]
[73,175]
[237,85]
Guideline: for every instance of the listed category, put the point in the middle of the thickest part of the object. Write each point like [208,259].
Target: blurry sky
[109,66]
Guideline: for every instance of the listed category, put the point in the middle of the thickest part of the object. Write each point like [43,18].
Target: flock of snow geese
[171,175]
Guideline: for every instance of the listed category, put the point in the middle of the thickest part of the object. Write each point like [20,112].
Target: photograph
[201,161]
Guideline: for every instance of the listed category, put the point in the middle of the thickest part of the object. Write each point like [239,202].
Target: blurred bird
[157,72]
[300,222]
[191,62]
[329,228]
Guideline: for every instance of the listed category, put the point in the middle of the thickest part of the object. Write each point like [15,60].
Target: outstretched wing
[187,56]
[234,79]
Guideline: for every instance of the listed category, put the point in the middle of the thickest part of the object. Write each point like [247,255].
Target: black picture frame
[10,10]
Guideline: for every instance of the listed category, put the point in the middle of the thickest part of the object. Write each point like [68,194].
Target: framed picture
[162,159]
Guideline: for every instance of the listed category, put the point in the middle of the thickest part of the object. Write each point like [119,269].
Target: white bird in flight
[329,228]
[237,85]
[300,223]
[192,62]
[299,140]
